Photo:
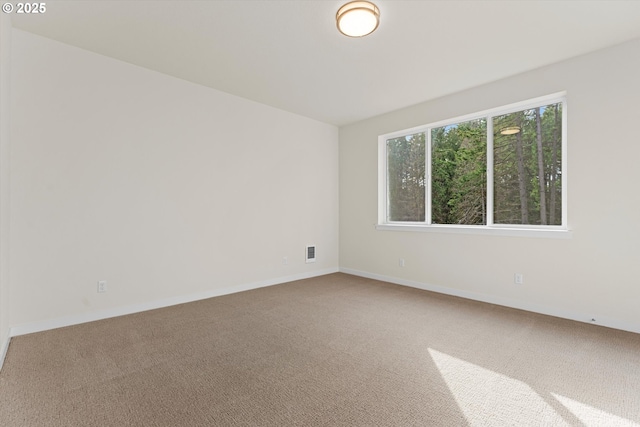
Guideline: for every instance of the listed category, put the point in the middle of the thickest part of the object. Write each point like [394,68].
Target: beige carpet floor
[336,350]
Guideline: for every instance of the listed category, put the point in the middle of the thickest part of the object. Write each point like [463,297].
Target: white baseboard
[61,322]
[4,347]
[506,302]
[136,308]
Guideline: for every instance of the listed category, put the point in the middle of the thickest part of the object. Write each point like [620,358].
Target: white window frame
[522,230]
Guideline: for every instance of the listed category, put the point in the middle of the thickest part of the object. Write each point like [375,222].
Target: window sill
[547,233]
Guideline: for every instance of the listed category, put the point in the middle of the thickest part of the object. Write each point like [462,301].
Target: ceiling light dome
[358,18]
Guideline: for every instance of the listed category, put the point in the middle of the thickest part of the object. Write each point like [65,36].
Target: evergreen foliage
[527,171]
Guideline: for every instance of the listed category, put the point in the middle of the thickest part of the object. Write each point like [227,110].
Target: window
[504,168]
[406,177]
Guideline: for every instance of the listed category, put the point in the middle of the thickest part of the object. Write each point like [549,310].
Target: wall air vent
[310,254]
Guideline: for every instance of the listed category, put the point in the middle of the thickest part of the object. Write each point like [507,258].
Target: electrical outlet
[285,260]
[518,278]
[401,262]
[102,286]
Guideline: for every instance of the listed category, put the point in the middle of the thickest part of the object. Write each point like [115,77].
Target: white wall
[166,189]
[595,274]
[5,125]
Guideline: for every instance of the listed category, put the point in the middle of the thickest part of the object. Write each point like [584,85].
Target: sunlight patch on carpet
[488,397]
[591,416]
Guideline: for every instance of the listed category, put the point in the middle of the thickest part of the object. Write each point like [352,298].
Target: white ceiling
[288,54]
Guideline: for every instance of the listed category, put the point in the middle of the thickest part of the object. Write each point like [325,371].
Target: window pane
[458,174]
[405,178]
[527,173]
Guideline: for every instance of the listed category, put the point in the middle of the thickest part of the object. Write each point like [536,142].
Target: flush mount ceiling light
[510,131]
[358,18]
